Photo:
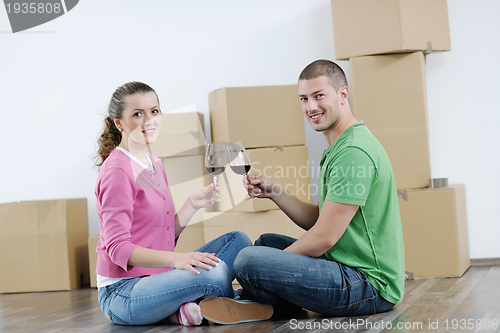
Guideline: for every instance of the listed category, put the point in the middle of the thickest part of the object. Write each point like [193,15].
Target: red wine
[241,169]
[216,170]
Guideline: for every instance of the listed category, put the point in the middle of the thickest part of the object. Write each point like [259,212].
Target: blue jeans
[149,299]
[290,281]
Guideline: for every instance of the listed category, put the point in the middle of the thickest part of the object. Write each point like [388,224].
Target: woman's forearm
[144,257]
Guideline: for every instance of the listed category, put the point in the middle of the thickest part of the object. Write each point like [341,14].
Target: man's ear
[344,95]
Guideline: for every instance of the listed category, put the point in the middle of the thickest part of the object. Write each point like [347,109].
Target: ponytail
[109,140]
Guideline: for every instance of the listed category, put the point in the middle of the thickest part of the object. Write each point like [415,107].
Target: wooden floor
[467,304]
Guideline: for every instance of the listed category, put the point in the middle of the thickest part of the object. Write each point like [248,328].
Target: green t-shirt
[356,170]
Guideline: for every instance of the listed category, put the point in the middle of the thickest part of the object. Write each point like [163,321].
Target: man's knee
[276,241]
[266,239]
[249,259]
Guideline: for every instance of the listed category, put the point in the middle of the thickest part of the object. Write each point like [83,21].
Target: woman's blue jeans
[292,281]
[150,299]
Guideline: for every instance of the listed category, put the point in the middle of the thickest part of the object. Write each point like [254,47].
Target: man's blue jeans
[292,281]
[150,299]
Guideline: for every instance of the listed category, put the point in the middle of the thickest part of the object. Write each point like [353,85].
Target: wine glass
[215,162]
[240,162]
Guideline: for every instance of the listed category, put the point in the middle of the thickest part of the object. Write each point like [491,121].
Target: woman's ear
[118,124]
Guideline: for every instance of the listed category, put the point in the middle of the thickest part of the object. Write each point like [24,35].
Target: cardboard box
[435,231]
[43,245]
[181,134]
[92,242]
[185,175]
[252,224]
[389,94]
[286,166]
[363,27]
[266,116]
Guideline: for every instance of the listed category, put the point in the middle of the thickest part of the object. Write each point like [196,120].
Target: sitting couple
[348,262]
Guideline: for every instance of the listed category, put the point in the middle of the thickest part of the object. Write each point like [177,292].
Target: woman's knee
[218,280]
[241,238]
[218,274]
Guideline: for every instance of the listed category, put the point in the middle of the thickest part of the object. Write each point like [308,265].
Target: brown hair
[111,136]
[332,71]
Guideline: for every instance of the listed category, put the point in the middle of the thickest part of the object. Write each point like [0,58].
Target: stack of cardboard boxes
[181,146]
[386,42]
[268,121]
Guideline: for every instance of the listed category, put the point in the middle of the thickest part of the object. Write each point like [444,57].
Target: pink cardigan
[135,209]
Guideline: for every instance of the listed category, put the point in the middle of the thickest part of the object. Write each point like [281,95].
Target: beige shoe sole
[223,310]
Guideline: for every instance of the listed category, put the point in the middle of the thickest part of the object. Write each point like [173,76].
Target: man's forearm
[313,243]
[328,229]
[302,213]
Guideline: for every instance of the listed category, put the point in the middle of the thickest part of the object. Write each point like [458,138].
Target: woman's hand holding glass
[204,196]
[216,160]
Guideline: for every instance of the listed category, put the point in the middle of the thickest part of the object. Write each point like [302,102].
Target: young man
[350,261]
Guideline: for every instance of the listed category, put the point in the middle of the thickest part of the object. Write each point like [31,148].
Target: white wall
[464,117]
[56,80]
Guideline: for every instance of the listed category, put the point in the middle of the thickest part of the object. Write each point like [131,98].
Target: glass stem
[214,180]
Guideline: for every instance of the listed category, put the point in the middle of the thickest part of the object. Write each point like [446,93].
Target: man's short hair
[332,71]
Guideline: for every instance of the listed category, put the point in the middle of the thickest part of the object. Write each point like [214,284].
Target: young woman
[141,279]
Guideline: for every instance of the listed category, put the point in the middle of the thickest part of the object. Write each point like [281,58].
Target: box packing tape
[438,182]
